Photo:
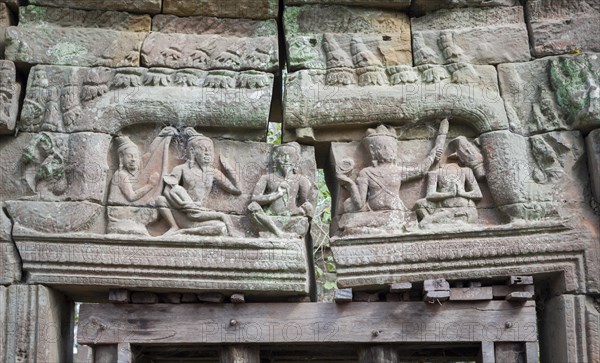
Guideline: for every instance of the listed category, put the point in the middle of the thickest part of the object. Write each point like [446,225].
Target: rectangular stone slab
[209,52]
[272,267]
[73,18]
[563,26]
[383,4]
[137,6]
[111,99]
[592,142]
[472,35]
[52,166]
[538,248]
[10,91]
[10,262]
[554,93]
[211,25]
[74,46]
[322,36]
[420,7]
[410,94]
[251,9]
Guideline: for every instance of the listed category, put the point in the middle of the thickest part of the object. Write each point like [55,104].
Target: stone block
[400,287]
[108,100]
[212,43]
[40,16]
[211,297]
[251,9]
[345,39]
[471,293]
[563,26]
[138,6]
[55,167]
[554,93]
[473,35]
[77,38]
[407,95]
[35,324]
[6,19]
[436,285]
[592,142]
[10,262]
[10,92]
[342,295]
[119,296]
[382,4]
[570,329]
[238,298]
[420,7]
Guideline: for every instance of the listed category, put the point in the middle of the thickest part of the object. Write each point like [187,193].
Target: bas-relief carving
[554,93]
[326,37]
[208,194]
[10,91]
[395,95]
[70,99]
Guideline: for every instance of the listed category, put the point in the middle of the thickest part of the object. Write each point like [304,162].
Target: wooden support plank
[521,280]
[377,353]
[471,293]
[532,354]
[519,296]
[240,354]
[211,297]
[307,323]
[487,355]
[501,291]
[106,353]
[436,296]
[124,353]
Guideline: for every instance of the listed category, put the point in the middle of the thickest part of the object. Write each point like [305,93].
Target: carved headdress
[380,131]
[124,143]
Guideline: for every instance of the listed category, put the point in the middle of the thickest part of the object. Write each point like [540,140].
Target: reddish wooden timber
[307,323]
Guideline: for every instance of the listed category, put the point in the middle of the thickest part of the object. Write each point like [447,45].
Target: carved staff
[440,140]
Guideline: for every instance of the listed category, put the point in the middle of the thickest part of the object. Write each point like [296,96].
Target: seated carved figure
[281,195]
[188,186]
[136,183]
[377,187]
[451,194]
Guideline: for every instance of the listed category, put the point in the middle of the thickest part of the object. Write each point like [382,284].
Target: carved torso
[383,186]
[197,182]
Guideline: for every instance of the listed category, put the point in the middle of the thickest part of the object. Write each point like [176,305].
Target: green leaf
[329,285]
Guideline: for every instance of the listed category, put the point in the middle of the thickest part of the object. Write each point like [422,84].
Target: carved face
[285,157]
[202,151]
[384,150]
[130,158]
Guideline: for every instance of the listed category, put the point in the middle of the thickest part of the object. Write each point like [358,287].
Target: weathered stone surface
[592,142]
[539,177]
[209,52]
[108,100]
[10,91]
[211,25]
[54,167]
[34,322]
[570,329]
[414,94]
[344,38]
[555,93]
[138,6]
[200,264]
[252,9]
[383,4]
[472,35]
[73,46]
[419,7]
[10,262]
[6,19]
[563,26]
[56,217]
[535,248]
[39,16]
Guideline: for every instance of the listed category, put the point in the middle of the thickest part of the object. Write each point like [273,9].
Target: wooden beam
[106,353]
[487,355]
[532,354]
[307,323]
[240,354]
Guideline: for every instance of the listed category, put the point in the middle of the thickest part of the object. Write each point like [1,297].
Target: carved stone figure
[282,194]
[44,170]
[188,186]
[377,187]
[451,194]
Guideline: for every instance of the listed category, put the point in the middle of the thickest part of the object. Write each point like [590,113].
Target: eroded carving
[9,97]
[281,198]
